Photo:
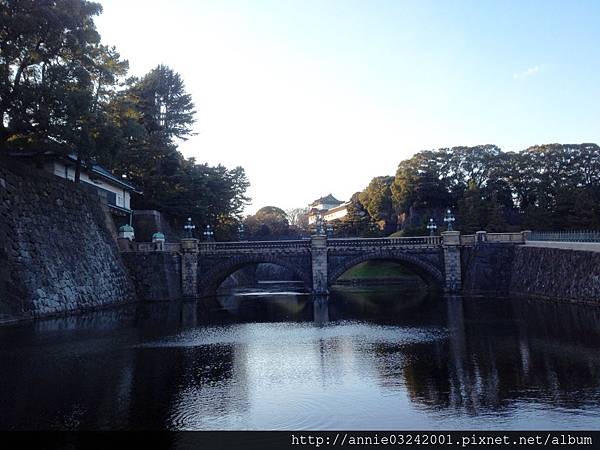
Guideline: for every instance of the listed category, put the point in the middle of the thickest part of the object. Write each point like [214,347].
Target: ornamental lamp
[449,219]
[189,227]
[431,226]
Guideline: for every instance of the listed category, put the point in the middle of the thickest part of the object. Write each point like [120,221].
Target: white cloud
[527,73]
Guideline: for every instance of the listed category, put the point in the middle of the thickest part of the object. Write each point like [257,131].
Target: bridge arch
[214,276]
[425,269]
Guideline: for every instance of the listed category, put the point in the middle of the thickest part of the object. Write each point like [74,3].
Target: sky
[319,97]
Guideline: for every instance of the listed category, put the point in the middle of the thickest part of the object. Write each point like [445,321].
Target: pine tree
[496,223]
[472,210]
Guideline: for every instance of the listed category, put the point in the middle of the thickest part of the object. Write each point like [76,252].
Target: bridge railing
[380,242]
[154,247]
[565,236]
[505,237]
[253,245]
[467,239]
[501,238]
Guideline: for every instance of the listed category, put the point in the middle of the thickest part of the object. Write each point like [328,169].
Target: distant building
[329,207]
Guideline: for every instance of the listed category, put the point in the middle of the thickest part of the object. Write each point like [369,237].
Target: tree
[55,78]
[472,210]
[357,222]
[478,164]
[495,220]
[552,186]
[420,189]
[152,114]
[298,218]
[166,109]
[268,223]
[377,199]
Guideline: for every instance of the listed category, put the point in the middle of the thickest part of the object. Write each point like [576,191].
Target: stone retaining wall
[156,275]
[553,273]
[487,268]
[550,273]
[57,251]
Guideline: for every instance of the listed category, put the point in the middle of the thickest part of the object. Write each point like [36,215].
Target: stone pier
[452,267]
[189,267]
[318,251]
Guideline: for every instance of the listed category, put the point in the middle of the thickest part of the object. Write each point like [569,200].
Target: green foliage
[55,78]
[356,222]
[472,209]
[377,270]
[62,91]
[495,220]
[269,223]
[166,109]
[154,112]
[555,186]
[377,199]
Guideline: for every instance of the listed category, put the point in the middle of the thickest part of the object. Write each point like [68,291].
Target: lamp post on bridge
[449,219]
[329,229]
[189,261]
[189,227]
[319,225]
[318,254]
[431,226]
[241,232]
[208,233]
[451,247]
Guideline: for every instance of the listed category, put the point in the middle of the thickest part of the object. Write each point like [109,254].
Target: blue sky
[313,97]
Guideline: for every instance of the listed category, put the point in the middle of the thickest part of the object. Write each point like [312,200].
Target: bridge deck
[580,246]
[334,243]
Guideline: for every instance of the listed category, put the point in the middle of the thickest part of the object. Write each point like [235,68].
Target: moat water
[369,358]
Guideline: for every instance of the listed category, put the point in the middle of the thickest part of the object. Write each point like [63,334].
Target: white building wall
[337,214]
[61,170]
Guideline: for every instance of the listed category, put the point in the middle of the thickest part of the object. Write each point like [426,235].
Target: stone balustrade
[519,237]
[481,263]
[152,247]
[319,261]
[386,242]
[254,246]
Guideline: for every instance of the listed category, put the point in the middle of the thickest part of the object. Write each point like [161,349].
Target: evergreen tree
[496,223]
[377,199]
[357,222]
[55,78]
[472,210]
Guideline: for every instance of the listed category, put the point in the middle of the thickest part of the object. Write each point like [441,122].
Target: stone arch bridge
[498,264]
[319,261]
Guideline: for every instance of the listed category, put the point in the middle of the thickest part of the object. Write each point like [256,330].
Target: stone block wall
[57,251]
[318,252]
[452,269]
[516,270]
[487,269]
[156,275]
[571,275]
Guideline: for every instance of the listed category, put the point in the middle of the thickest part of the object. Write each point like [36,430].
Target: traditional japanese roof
[327,200]
[338,208]
[93,168]
[103,172]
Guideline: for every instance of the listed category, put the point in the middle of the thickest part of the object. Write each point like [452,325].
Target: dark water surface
[370,358]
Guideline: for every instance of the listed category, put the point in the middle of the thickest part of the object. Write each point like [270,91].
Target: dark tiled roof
[95,168]
[105,173]
[328,200]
